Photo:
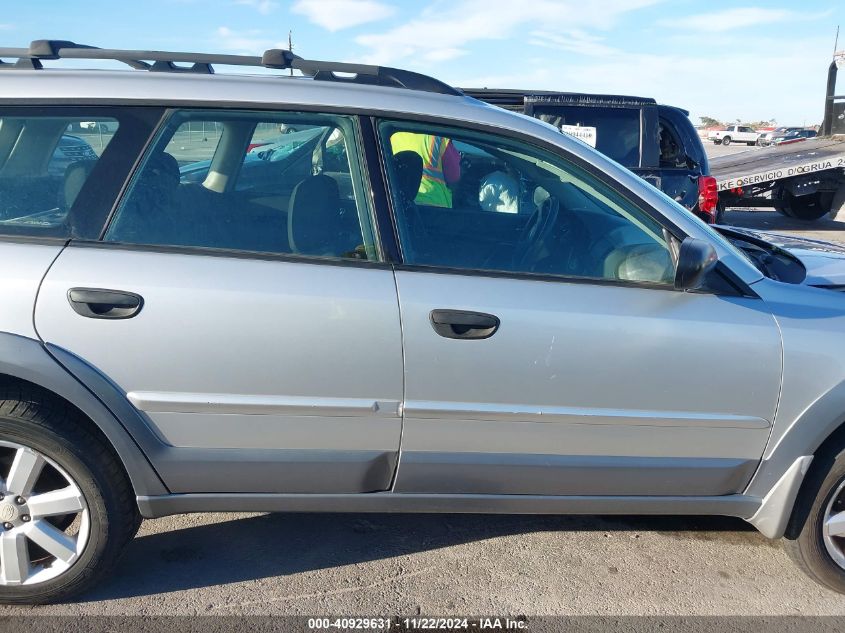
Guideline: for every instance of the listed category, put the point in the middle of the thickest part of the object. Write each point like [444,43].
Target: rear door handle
[460,324]
[97,303]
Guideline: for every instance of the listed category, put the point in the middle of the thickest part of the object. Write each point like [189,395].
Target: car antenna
[290,44]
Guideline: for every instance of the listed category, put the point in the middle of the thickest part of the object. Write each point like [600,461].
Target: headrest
[161,171]
[75,176]
[314,217]
[409,173]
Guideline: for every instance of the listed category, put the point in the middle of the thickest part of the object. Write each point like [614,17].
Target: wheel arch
[26,361]
[823,457]
[812,441]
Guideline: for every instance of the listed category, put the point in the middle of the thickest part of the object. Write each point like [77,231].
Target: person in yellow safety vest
[441,165]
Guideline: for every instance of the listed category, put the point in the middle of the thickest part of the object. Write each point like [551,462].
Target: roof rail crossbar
[166,61]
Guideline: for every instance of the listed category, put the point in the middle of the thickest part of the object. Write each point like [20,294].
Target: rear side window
[286,183]
[46,162]
[615,132]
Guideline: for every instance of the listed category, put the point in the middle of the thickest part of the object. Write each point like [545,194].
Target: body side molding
[175,402]
[728,505]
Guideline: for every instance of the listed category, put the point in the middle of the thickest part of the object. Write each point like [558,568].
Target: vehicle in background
[69,150]
[794,136]
[799,180]
[766,138]
[803,180]
[734,134]
[94,126]
[657,142]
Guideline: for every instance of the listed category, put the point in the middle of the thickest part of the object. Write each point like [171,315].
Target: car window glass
[672,152]
[45,161]
[286,183]
[615,132]
[512,207]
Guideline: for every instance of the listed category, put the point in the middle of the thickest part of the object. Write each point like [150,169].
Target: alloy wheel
[833,526]
[44,518]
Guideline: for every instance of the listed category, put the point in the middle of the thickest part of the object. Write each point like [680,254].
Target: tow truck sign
[829,162]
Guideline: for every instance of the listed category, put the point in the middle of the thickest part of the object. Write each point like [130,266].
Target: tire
[751,143]
[837,205]
[810,207]
[822,492]
[717,141]
[32,424]
[726,140]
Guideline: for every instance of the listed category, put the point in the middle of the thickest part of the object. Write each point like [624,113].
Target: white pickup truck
[734,134]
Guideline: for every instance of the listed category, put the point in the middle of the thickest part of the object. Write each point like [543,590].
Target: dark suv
[657,142]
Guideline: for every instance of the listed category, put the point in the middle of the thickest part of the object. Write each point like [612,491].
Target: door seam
[402,400]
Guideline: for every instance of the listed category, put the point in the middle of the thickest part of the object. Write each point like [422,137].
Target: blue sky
[723,59]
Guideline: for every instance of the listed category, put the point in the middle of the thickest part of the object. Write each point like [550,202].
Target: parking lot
[353,564]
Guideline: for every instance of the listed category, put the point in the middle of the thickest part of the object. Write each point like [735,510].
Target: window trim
[155,138]
[230,253]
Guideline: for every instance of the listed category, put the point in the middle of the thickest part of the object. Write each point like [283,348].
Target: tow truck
[803,180]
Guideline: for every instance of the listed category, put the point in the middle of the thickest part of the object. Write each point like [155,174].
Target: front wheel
[819,549]
[66,508]
[726,140]
[717,141]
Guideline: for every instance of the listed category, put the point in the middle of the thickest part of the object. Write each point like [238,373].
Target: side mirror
[695,259]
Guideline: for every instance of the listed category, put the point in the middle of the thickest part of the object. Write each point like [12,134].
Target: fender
[779,477]
[27,359]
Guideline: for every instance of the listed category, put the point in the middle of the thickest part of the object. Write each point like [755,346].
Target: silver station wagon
[358,290]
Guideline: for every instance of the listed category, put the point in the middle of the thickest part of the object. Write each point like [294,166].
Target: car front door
[257,335]
[556,357]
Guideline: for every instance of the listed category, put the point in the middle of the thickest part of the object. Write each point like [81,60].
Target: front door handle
[97,303]
[461,324]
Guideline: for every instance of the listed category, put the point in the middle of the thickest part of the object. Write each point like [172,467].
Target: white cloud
[452,25]
[705,87]
[335,15]
[251,42]
[573,42]
[444,54]
[264,7]
[732,19]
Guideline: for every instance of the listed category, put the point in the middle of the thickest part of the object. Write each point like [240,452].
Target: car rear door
[259,338]
[561,361]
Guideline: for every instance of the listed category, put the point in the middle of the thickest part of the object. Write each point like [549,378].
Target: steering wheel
[536,231]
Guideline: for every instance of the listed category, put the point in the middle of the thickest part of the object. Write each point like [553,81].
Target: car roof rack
[174,62]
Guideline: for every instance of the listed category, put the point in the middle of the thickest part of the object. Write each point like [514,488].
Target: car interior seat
[76,175]
[148,215]
[317,222]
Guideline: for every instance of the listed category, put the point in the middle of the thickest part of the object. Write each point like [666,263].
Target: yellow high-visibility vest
[433,190]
